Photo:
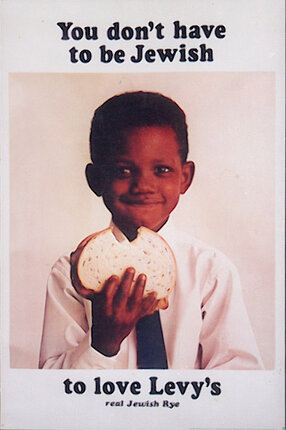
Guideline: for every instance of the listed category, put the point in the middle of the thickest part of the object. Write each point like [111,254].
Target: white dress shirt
[205,326]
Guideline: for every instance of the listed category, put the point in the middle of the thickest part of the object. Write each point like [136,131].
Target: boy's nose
[142,183]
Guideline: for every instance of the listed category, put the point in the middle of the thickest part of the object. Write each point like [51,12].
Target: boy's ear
[94,178]
[187,175]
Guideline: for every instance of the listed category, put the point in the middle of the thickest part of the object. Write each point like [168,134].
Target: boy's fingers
[149,304]
[86,293]
[163,303]
[109,290]
[123,291]
[137,293]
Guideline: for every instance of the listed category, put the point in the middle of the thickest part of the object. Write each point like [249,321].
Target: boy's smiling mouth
[141,202]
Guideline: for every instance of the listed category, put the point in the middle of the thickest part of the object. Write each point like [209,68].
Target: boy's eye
[162,169]
[123,172]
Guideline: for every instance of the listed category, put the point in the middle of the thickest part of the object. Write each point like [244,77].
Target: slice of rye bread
[102,255]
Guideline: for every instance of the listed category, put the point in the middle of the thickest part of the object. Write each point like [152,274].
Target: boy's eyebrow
[155,161]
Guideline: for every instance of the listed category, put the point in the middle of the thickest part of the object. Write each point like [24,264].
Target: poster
[222,61]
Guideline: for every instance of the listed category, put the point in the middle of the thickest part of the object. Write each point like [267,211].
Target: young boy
[139,147]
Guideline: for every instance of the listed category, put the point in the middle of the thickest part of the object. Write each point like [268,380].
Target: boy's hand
[116,310]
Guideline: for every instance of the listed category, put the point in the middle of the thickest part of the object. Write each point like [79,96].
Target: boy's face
[146,179]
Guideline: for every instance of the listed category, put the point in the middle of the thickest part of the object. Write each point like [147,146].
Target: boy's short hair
[134,109]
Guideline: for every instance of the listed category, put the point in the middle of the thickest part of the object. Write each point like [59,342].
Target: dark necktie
[151,353]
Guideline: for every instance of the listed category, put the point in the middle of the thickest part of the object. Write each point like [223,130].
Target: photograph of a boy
[139,166]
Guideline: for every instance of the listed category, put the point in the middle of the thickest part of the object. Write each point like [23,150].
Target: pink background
[230,204]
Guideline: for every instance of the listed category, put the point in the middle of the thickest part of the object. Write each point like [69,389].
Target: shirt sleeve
[66,336]
[226,339]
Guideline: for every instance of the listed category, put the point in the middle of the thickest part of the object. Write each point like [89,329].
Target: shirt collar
[168,232]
